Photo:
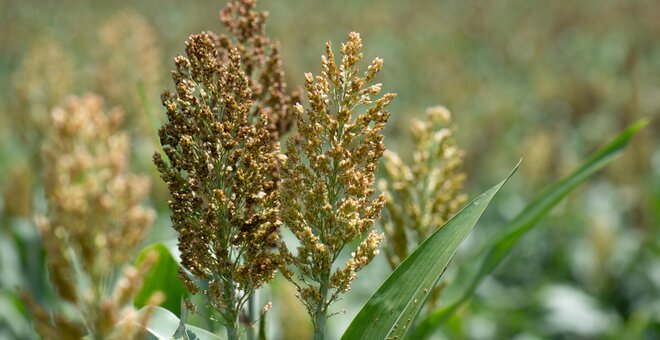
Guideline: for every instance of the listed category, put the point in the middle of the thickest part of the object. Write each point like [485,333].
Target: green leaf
[182,331]
[523,223]
[12,316]
[163,277]
[164,325]
[391,310]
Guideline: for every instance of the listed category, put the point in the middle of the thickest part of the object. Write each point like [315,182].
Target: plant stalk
[251,316]
[231,318]
[321,313]
[232,328]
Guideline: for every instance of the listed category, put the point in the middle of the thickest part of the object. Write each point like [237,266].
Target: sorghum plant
[94,223]
[222,142]
[129,59]
[39,84]
[328,179]
[42,80]
[421,197]
[261,62]
[224,203]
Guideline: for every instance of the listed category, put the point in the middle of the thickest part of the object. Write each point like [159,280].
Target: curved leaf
[164,325]
[391,310]
[523,223]
[163,277]
[13,320]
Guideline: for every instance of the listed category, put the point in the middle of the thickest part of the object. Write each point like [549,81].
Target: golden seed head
[412,211]
[329,174]
[95,221]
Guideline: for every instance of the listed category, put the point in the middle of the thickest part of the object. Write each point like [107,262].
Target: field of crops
[569,248]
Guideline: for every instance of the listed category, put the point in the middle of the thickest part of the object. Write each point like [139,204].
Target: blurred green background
[548,81]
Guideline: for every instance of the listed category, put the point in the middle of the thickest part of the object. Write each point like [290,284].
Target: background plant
[95,222]
[422,196]
[262,63]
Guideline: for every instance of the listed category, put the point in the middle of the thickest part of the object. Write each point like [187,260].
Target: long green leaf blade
[391,310]
[524,222]
[161,277]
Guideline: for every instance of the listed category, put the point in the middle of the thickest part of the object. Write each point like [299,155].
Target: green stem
[262,328]
[231,317]
[321,313]
[251,316]
[232,328]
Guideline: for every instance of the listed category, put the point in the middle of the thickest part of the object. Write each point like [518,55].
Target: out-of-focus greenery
[546,80]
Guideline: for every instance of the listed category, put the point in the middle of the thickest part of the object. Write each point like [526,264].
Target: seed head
[422,196]
[221,172]
[328,194]
[95,220]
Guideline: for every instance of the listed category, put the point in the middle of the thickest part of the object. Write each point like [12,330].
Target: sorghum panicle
[224,203]
[129,61]
[422,196]
[328,194]
[95,222]
[261,63]
[40,83]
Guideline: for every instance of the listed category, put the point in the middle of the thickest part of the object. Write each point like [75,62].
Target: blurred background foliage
[546,80]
